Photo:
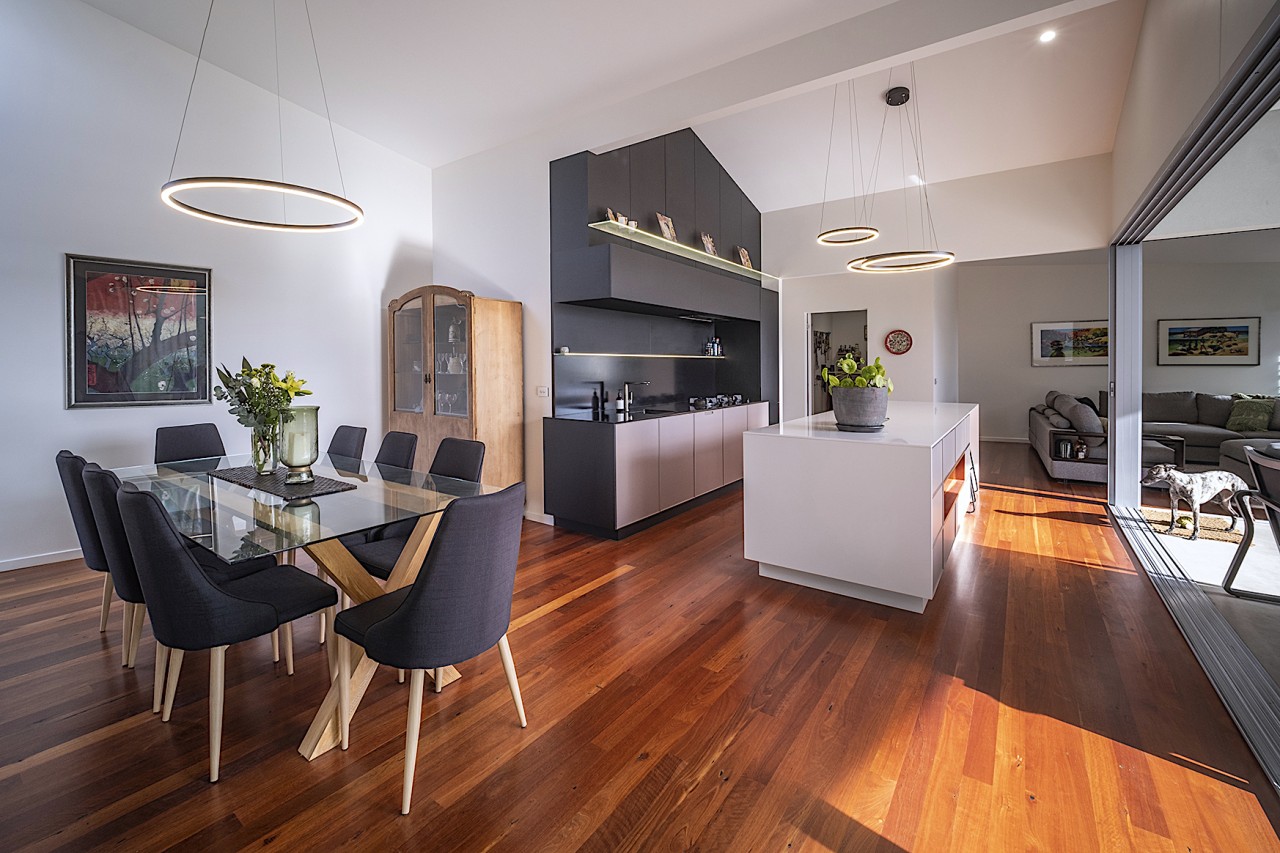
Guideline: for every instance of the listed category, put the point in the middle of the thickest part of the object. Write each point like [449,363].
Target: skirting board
[1007,439]
[39,559]
[541,518]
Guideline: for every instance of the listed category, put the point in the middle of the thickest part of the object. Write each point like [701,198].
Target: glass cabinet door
[451,339]
[408,357]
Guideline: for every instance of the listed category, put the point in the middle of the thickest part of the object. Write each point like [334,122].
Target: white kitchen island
[867,515]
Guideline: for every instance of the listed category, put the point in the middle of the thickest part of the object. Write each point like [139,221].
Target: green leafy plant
[849,375]
[258,396]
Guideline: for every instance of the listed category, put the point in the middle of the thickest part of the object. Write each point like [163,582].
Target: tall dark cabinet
[631,307]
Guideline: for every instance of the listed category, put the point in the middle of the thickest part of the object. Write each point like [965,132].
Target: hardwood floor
[675,699]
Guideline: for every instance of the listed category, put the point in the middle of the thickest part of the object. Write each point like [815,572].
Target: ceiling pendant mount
[846,235]
[910,260]
[351,215]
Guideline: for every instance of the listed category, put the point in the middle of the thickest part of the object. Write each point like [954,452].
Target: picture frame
[709,244]
[138,333]
[668,227]
[1070,343]
[744,258]
[1209,342]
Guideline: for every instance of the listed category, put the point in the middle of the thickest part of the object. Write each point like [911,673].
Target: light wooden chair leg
[400,676]
[331,649]
[106,602]
[135,633]
[287,630]
[126,633]
[344,689]
[411,735]
[157,688]
[171,687]
[275,645]
[509,667]
[217,681]
[324,624]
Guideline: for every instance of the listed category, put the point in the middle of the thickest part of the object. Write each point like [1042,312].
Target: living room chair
[192,441]
[189,612]
[70,468]
[458,607]
[1265,466]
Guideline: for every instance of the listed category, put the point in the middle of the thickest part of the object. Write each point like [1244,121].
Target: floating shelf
[636,235]
[638,355]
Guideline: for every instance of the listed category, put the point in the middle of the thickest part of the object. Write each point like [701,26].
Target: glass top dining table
[239,523]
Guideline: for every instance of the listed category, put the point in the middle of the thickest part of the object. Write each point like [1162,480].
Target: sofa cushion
[1062,402]
[1083,419]
[1169,406]
[1088,401]
[1056,420]
[1234,449]
[1249,415]
[1213,409]
[1153,453]
[1274,426]
[1195,435]
[1048,398]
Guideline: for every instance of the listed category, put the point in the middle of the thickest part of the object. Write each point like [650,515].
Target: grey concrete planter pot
[862,408]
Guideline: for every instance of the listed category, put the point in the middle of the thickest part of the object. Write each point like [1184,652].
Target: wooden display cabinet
[455,368]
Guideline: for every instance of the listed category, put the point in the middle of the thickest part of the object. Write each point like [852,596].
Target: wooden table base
[337,562]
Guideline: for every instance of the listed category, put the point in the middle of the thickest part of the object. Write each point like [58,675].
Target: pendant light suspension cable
[168,192]
[909,132]
[847,235]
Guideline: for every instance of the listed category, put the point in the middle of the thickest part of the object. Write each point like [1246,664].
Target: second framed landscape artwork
[1070,343]
[1224,341]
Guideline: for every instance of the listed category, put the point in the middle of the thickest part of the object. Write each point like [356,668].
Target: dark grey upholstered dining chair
[397,449]
[458,607]
[459,458]
[348,442]
[189,612]
[70,467]
[193,441]
[1264,464]
[102,488]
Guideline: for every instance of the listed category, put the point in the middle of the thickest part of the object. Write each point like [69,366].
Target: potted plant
[859,394]
[260,400]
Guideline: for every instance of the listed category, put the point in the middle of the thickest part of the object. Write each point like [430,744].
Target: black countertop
[640,413]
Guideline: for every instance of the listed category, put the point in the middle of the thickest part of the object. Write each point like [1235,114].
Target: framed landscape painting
[1220,340]
[1070,343]
[137,333]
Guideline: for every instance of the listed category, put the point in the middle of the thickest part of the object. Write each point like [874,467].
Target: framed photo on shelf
[744,258]
[1223,341]
[137,333]
[1070,343]
[708,243]
[668,227]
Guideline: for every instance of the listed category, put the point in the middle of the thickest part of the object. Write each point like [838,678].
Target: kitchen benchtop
[908,424]
[640,413]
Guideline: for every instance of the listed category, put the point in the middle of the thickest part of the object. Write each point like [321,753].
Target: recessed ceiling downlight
[1048,36]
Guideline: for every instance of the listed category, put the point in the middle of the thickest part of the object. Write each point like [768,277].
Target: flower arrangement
[260,400]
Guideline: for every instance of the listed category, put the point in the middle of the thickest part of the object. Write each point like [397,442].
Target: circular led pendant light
[910,260]
[351,213]
[848,235]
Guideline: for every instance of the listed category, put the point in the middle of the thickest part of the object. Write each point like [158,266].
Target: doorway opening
[832,336]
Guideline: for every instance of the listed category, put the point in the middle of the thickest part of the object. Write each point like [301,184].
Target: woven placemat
[274,483]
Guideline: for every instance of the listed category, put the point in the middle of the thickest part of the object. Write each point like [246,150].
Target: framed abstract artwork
[1070,343]
[1223,341]
[137,333]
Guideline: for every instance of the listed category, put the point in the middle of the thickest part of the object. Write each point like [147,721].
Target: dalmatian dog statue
[1196,489]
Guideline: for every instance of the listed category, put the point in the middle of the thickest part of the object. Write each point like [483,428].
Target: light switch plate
[544,391]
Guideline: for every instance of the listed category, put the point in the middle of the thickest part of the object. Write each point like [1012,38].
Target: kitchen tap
[626,394]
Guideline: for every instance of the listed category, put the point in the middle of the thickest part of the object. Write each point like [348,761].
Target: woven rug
[274,483]
[1211,526]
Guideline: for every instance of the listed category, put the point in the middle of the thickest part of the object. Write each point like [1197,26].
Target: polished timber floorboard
[1044,701]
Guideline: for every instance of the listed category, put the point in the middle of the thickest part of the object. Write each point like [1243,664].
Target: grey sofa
[1064,418]
[1197,421]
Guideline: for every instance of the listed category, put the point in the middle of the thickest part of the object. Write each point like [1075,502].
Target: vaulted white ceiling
[1004,103]
[437,81]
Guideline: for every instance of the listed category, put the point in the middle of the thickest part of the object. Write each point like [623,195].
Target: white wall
[946,339]
[892,302]
[1059,207]
[1183,51]
[997,305]
[91,109]
[1189,291]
